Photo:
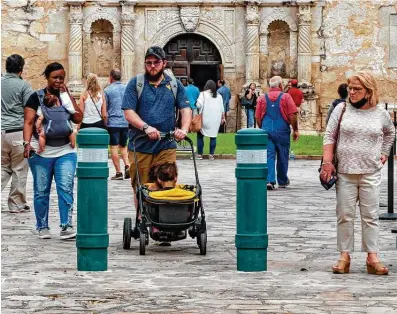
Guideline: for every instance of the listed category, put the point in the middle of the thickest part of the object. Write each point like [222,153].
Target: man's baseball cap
[155,51]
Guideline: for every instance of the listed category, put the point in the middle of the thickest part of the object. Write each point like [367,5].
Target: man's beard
[155,77]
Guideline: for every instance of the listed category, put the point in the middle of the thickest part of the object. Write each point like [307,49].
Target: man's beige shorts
[144,163]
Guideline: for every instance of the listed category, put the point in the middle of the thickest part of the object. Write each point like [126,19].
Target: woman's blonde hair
[92,85]
[368,81]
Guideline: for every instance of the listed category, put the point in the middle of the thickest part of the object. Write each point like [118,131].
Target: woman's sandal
[377,268]
[343,267]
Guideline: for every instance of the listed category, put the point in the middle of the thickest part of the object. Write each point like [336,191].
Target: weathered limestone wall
[355,36]
[37,30]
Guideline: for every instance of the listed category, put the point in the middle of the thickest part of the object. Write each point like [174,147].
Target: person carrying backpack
[149,105]
[58,160]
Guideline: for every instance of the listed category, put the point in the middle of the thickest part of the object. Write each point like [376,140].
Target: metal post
[92,199]
[251,172]
[390,215]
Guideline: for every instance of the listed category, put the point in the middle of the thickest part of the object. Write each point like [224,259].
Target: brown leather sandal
[377,268]
[343,267]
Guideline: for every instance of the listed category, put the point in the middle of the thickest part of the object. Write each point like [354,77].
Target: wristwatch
[144,127]
[24,143]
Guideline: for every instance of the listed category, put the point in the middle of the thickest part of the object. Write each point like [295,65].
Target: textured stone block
[48,37]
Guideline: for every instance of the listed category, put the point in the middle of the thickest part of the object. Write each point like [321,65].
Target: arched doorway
[194,56]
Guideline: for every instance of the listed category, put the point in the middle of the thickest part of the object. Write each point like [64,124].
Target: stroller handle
[170,136]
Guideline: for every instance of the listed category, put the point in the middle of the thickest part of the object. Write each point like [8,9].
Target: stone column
[252,43]
[127,41]
[304,44]
[75,48]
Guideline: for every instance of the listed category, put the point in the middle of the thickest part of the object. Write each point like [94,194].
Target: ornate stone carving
[252,13]
[263,45]
[281,14]
[214,16]
[305,15]
[127,18]
[189,17]
[75,41]
[86,41]
[151,23]
[252,39]
[304,39]
[101,16]
[229,18]
[167,16]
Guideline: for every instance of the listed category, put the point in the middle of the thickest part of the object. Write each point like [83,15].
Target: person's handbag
[197,122]
[329,184]
[245,102]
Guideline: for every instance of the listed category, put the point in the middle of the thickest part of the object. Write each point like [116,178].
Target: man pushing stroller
[149,105]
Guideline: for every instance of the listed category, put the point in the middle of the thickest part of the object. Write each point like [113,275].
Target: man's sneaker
[270,186]
[198,157]
[284,185]
[211,157]
[43,233]
[118,176]
[67,233]
[127,172]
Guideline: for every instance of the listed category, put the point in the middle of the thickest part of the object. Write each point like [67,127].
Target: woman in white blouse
[365,138]
[93,104]
[210,104]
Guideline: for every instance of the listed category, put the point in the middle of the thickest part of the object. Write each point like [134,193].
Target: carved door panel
[186,52]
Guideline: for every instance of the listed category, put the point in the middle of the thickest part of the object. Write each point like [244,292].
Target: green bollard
[251,173]
[92,200]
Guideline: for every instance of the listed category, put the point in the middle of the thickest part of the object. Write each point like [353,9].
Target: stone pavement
[40,276]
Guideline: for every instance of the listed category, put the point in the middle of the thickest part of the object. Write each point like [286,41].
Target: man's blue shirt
[192,93]
[225,92]
[114,94]
[156,107]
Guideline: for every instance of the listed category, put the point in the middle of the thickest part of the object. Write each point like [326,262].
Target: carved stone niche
[101,45]
[278,49]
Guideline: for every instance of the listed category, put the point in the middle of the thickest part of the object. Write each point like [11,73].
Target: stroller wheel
[127,233]
[203,243]
[142,243]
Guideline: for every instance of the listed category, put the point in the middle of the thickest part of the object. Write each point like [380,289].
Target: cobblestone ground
[40,276]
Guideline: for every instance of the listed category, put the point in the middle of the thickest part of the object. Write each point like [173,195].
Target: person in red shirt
[296,93]
[275,112]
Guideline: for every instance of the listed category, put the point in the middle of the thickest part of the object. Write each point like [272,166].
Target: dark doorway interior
[193,56]
[202,73]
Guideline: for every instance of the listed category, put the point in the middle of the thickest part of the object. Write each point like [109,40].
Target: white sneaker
[211,157]
[67,233]
[43,233]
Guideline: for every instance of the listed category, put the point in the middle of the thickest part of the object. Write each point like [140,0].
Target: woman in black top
[58,161]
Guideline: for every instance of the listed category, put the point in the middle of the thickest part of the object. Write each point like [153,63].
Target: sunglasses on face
[354,89]
[151,63]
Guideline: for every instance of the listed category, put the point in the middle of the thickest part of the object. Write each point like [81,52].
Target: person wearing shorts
[117,124]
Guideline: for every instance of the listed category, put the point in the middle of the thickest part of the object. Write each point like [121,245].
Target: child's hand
[63,88]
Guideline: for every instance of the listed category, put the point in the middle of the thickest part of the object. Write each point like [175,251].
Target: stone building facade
[319,42]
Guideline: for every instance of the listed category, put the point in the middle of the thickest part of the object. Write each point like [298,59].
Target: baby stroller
[174,217]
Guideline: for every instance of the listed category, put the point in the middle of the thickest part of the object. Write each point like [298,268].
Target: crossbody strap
[338,129]
[94,104]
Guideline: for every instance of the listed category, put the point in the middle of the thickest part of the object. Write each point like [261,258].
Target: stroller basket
[169,213]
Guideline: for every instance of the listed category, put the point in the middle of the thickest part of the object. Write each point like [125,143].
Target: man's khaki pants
[15,166]
[363,188]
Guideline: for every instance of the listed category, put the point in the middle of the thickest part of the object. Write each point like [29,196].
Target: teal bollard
[251,172]
[92,200]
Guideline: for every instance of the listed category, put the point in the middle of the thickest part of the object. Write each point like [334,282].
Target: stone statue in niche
[278,68]
[278,48]
[101,48]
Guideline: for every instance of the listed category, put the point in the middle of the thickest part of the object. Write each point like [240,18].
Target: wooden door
[191,49]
